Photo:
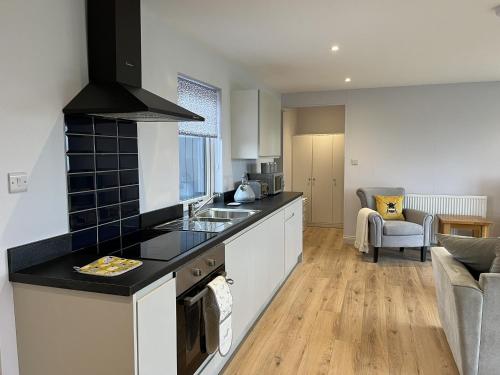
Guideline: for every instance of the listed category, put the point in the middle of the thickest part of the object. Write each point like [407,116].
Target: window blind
[201,100]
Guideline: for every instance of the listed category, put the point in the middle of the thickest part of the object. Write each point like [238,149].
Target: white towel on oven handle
[224,301]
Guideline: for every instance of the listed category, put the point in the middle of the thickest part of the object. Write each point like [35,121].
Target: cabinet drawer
[295,209]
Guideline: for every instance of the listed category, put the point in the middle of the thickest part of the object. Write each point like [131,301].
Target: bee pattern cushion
[390,207]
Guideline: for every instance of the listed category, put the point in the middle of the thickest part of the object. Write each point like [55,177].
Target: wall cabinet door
[302,168]
[322,180]
[293,235]
[269,124]
[156,331]
[255,124]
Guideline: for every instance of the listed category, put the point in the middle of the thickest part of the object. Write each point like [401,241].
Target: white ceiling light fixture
[347,80]
[335,48]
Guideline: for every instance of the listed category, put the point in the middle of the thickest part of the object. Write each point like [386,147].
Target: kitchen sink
[209,220]
[229,214]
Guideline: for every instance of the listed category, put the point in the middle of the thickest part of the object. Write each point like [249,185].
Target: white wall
[43,66]
[440,139]
[321,119]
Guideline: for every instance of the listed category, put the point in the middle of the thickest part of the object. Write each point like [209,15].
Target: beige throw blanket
[361,242]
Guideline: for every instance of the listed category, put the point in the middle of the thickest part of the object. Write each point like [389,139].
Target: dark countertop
[59,272]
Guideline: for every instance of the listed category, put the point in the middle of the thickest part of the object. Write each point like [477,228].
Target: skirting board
[320,225]
[349,239]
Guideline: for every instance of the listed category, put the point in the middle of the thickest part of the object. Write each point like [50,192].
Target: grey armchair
[415,231]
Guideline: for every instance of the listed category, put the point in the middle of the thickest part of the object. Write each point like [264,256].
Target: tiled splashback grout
[103,179]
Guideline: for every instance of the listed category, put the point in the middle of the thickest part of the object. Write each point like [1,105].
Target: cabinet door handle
[292,215]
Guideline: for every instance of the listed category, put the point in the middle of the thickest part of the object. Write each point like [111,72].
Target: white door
[302,150]
[338,179]
[322,179]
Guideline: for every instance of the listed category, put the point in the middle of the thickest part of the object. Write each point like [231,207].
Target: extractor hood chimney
[114,60]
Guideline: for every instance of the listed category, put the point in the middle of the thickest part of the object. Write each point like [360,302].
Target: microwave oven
[274,181]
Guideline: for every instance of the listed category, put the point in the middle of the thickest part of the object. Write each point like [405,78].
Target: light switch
[18,182]
[354,161]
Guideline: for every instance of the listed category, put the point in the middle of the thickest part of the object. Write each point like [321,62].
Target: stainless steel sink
[229,214]
[210,220]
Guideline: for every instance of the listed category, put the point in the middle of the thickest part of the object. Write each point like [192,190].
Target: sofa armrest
[422,218]
[460,306]
[489,360]
[376,226]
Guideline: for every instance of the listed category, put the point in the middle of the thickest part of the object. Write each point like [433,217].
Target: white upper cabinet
[255,124]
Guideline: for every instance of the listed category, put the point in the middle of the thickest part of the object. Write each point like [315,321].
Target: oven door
[191,349]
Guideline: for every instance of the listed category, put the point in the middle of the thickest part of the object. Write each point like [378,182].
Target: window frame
[210,147]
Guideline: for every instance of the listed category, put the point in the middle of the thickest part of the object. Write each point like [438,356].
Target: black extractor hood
[114,60]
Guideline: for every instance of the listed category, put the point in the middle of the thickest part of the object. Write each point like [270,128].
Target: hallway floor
[339,313]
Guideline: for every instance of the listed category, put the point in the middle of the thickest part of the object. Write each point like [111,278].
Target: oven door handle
[190,301]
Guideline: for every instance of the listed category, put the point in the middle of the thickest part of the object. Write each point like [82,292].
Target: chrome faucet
[193,208]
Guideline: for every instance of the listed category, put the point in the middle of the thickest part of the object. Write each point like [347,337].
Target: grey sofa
[415,231]
[470,314]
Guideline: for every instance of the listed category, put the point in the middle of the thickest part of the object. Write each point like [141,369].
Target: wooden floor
[339,313]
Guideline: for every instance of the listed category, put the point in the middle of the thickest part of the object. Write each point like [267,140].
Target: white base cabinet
[255,261]
[259,260]
[62,331]
[293,235]
[157,331]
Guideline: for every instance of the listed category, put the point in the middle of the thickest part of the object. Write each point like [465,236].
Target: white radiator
[447,204]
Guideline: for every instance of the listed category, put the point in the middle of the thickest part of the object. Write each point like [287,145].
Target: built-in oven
[191,284]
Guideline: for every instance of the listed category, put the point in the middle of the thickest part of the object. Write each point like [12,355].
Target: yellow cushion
[390,207]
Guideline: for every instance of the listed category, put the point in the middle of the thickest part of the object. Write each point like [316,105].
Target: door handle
[334,182]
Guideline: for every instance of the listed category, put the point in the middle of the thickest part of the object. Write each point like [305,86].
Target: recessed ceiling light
[335,48]
[348,79]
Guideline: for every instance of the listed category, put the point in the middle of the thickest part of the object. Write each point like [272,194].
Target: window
[196,139]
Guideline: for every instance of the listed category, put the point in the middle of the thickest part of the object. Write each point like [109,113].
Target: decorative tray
[109,266]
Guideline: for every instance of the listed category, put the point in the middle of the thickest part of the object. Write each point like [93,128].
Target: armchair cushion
[390,207]
[402,228]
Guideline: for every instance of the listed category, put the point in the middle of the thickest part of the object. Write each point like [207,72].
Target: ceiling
[382,42]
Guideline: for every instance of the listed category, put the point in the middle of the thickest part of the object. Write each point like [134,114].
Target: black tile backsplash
[109,231]
[130,225]
[106,180]
[129,193]
[127,129]
[128,145]
[107,197]
[129,178]
[84,238]
[81,182]
[129,161]
[109,213]
[80,163]
[80,143]
[130,209]
[81,201]
[103,179]
[105,127]
[106,162]
[77,124]
[107,145]
[82,220]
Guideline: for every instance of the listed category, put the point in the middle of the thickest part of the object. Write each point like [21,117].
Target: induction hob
[161,245]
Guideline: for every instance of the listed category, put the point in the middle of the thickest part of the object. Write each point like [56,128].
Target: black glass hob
[161,245]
